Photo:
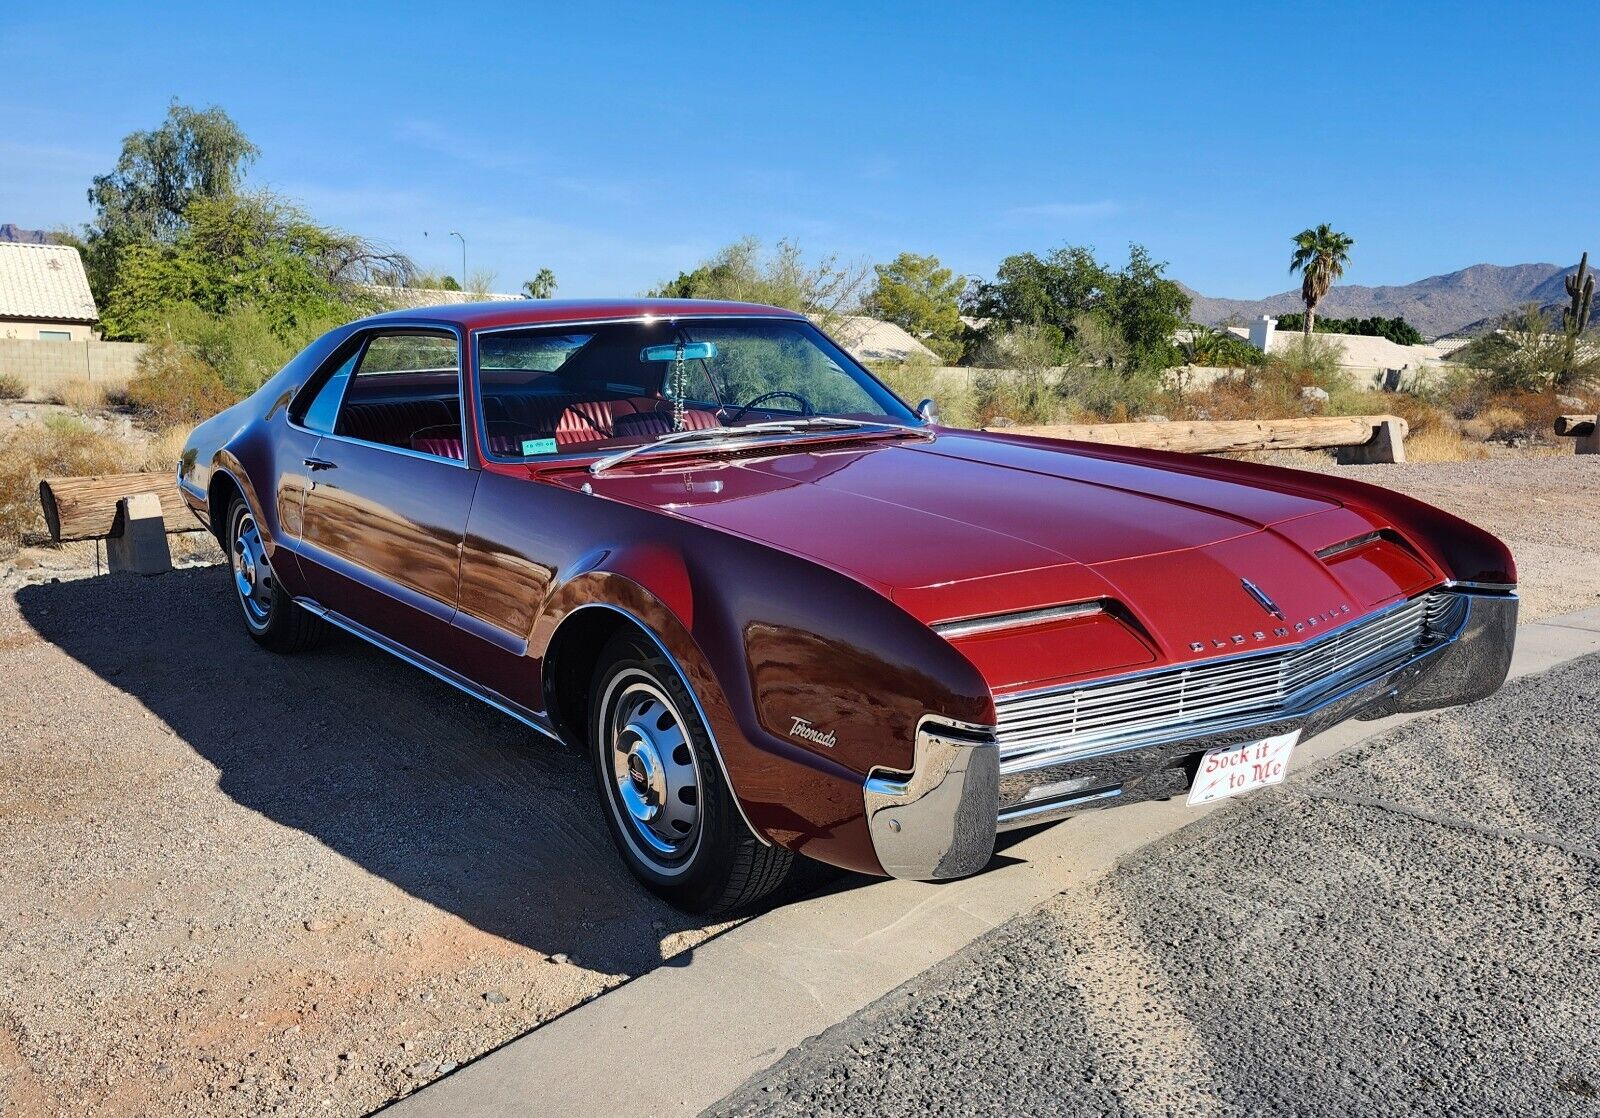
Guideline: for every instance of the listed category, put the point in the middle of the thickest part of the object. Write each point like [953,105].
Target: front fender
[759,634]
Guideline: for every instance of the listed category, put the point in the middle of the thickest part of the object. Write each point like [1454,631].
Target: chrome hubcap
[653,770]
[252,574]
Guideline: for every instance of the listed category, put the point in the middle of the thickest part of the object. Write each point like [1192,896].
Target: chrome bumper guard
[940,820]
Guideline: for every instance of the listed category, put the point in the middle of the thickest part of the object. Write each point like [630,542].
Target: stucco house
[44,294]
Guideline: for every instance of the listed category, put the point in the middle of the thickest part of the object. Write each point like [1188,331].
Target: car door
[390,490]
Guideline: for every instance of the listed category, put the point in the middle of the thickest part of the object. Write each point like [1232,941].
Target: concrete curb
[679,1038]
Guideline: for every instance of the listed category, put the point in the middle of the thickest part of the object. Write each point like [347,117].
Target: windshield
[603,388]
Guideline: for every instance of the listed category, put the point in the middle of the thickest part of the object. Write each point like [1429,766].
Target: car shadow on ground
[452,801]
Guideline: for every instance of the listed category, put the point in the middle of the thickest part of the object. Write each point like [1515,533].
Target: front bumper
[940,820]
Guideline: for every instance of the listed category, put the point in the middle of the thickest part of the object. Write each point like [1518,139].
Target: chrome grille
[1047,727]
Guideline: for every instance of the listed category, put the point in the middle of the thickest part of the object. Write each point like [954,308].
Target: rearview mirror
[692,351]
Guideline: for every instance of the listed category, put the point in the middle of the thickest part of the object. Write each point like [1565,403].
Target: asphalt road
[1413,927]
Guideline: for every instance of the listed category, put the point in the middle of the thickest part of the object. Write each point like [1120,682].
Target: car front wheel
[671,814]
[271,616]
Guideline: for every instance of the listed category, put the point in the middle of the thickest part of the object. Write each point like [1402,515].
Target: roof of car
[544,312]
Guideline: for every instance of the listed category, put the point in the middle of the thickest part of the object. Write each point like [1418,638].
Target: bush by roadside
[175,387]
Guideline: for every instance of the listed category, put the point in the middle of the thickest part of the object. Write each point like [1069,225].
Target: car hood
[967,525]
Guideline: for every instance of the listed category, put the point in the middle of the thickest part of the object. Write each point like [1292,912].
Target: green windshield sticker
[538,446]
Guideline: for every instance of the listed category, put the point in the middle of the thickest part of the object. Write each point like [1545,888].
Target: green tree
[1069,290]
[826,290]
[541,286]
[194,154]
[1397,329]
[917,294]
[250,258]
[1320,255]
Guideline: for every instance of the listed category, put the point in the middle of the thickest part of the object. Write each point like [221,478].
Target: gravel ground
[1413,928]
[237,883]
[232,882]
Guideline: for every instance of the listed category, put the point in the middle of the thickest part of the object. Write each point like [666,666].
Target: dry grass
[61,445]
[1440,443]
[11,387]
[164,448]
[80,395]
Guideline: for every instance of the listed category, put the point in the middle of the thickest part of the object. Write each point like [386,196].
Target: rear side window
[324,406]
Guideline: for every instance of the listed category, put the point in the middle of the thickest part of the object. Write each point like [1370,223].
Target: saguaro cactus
[1580,287]
[1575,319]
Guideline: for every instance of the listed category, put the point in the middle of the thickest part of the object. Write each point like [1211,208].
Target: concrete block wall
[43,367]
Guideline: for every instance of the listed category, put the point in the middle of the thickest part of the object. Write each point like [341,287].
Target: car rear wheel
[270,615]
[671,814]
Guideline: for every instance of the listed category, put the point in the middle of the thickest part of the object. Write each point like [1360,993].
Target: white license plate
[1231,769]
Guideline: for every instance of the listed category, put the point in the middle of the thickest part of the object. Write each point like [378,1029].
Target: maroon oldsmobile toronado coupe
[784,613]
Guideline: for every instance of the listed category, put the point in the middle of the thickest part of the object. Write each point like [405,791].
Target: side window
[324,406]
[405,391]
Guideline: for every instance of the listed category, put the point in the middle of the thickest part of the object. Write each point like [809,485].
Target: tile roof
[44,281]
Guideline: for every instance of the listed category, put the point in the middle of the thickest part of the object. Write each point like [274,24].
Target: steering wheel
[805,404]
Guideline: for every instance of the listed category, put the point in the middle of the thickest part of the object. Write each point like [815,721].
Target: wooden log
[1219,436]
[1575,426]
[85,508]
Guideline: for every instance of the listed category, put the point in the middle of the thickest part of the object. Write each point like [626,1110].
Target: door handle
[319,464]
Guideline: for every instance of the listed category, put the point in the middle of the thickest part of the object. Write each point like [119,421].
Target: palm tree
[1320,255]
[541,286]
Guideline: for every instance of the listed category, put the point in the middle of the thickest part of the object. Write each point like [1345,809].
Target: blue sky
[617,144]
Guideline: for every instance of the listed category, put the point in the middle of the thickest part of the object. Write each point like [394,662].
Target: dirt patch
[243,883]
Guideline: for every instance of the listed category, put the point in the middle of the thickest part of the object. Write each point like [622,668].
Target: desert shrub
[1023,396]
[1502,421]
[1525,355]
[11,387]
[175,387]
[62,445]
[1310,361]
[80,395]
[1097,393]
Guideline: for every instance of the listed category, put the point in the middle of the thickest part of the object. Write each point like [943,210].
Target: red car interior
[433,426]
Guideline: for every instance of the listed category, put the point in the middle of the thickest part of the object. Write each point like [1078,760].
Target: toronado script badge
[804,729]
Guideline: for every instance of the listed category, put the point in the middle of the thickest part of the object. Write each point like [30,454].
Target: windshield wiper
[725,434]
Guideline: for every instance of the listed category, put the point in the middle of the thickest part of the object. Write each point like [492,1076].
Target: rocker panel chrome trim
[438,671]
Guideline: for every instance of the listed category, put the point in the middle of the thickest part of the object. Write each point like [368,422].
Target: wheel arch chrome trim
[699,707]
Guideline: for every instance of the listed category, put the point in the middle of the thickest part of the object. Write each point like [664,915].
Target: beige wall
[44,366]
[28,330]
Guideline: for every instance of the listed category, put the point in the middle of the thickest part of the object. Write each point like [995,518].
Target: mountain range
[1471,300]
[15,234]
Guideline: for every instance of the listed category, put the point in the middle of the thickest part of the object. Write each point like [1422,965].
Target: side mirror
[929,411]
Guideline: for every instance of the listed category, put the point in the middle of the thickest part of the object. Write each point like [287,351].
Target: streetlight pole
[463,241]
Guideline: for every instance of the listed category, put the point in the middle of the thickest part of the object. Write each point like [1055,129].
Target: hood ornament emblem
[1261,598]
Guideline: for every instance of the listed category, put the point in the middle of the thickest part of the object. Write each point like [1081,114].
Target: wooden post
[84,508]
[138,540]
[1584,430]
